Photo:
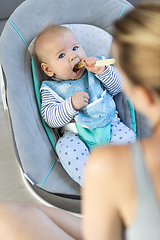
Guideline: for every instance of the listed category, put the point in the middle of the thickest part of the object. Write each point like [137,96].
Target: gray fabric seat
[33,149]
[6,8]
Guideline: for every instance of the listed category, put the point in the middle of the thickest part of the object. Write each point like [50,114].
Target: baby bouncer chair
[93,24]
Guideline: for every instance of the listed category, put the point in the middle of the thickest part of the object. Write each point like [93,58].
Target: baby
[83,94]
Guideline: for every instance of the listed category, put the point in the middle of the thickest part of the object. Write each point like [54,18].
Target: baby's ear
[46,69]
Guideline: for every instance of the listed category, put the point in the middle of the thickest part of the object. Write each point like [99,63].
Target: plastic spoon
[98,63]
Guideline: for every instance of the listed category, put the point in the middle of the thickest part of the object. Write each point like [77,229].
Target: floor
[12,186]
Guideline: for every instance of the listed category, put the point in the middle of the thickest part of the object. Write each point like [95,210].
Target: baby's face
[62,53]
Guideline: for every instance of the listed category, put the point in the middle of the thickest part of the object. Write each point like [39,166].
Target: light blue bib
[101,108]
[93,121]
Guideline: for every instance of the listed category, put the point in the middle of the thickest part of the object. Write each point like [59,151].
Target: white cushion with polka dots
[94,40]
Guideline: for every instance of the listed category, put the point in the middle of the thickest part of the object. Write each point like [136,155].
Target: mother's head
[137,41]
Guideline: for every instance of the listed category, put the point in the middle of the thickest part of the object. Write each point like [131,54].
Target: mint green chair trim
[18,32]
[47,174]
[122,11]
[133,117]
[120,15]
[38,99]
[36,89]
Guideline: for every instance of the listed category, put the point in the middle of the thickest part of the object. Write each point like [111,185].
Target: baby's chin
[73,76]
[78,74]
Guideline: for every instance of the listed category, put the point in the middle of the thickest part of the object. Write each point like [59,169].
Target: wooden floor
[12,186]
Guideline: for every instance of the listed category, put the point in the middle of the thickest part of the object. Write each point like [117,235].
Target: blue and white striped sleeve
[111,80]
[56,114]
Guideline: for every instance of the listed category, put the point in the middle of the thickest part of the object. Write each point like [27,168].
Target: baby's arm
[89,64]
[56,114]
[108,75]
[111,80]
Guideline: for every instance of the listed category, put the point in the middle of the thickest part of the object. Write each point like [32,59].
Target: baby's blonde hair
[44,34]
[138,38]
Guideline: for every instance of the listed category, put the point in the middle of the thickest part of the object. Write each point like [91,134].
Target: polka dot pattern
[94,40]
[73,155]
[121,134]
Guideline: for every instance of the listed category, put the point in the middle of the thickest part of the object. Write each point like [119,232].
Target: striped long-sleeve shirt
[57,114]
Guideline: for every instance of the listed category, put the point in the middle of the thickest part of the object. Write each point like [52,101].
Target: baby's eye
[75,48]
[61,55]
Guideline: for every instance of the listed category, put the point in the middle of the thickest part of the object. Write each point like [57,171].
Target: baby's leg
[73,155]
[121,134]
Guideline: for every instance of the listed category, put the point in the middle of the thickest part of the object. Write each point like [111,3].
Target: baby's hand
[89,63]
[80,100]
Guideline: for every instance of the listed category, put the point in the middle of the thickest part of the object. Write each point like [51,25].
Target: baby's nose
[72,57]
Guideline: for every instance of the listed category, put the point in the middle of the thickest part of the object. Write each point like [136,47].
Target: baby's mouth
[77,68]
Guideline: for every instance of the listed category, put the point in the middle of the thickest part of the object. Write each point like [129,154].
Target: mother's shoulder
[110,154]
[110,161]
